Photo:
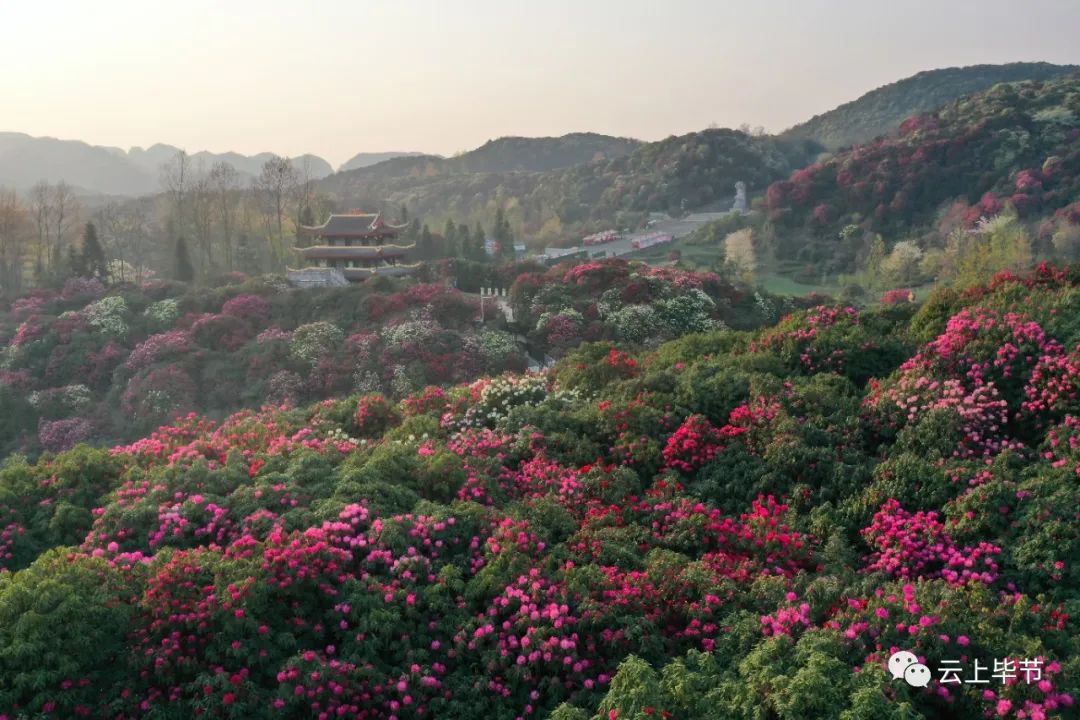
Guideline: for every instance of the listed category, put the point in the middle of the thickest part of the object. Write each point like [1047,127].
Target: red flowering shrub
[375,415]
[897,297]
[696,443]
[229,332]
[253,308]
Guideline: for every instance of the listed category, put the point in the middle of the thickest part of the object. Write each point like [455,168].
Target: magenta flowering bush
[915,545]
[60,435]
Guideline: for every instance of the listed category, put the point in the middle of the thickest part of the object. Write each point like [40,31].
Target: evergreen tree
[479,248]
[307,216]
[184,271]
[450,239]
[504,235]
[246,257]
[93,261]
[425,245]
[464,242]
[76,267]
[403,215]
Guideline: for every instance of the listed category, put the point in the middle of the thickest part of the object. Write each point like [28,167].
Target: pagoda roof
[351,225]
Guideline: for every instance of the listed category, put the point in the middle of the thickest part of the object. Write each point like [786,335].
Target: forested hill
[685,171]
[882,110]
[1015,147]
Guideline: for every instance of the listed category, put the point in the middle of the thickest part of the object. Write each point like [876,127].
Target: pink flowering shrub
[60,435]
[914,545]
[163,346]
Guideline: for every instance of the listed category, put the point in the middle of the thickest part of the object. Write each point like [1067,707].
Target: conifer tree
[450,239]
[425,245]
[465,241]
[93,263]
[479,248]
[184,271]
[76,267]
[504,235]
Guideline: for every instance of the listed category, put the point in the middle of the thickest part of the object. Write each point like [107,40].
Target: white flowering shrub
[409,331]
[504,393]
[497,347]
[688,312]
[163,313]
[366,382]
[314,340]
[68,400]
[636,323]
[108,315]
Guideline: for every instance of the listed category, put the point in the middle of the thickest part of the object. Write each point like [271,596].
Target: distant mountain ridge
[96,169]
[881,111]
[24,160]
[366,159]
[502,155]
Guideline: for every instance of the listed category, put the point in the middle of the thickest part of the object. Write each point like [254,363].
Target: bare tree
[275,186]
[202,218]
[65,216]
[41,211]
[14,230]
[126,234]
[305,191]
[176,181]
[225,186]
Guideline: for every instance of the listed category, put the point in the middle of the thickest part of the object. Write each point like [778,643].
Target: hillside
[692,170]
[1015,145]
[881,111]
[736,525]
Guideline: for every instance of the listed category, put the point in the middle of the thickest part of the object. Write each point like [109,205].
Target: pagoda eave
[356,252]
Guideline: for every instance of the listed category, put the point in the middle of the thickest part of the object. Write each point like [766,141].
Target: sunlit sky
[337,77]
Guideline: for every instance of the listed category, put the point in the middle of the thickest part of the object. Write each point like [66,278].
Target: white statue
[739,206]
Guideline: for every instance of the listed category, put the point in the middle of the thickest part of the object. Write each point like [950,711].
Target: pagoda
[354,246]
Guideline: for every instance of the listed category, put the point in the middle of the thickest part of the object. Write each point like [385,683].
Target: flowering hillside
[734,524]
[1016,144]
[97,364]
[90,364]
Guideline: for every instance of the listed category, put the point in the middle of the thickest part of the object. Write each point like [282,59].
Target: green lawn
[781,285]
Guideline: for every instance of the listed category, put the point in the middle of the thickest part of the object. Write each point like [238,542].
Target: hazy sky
[335,77]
